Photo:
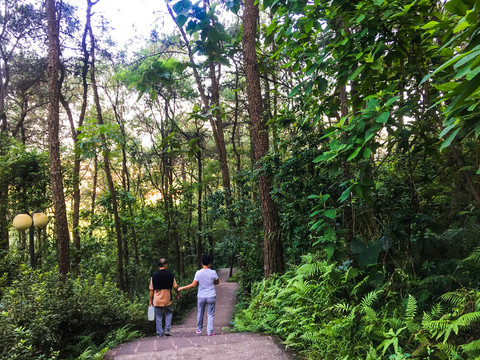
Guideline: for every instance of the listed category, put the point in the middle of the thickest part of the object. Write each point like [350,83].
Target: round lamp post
[22,222]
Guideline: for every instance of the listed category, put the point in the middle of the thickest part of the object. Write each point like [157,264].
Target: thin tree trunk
[273,247]
[61,222]
[199,210]
[4,240]
[216,122]
[94,192]
[106,160]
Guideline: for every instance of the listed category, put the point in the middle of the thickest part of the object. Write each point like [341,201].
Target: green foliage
[25,173]
[333,312]
[42,315]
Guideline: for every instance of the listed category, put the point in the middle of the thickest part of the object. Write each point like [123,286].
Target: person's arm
[175,287]
[216,281]
[192,285]
[150,298]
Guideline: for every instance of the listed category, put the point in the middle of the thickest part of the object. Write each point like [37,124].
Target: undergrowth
[331,311]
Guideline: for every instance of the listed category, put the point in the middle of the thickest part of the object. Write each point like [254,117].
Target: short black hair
[205,260]
[162,262]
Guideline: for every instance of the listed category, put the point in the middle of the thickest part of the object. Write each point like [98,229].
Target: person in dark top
[161,284]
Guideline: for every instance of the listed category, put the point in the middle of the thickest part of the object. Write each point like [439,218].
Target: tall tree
[61,222]
[106,158]
[19,20]
[273,247]
[204,22]
[75,134]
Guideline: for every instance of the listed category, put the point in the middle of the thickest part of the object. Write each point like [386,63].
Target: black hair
[205,260]
[162,262]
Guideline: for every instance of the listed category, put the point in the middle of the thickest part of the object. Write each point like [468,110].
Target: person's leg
[159,320]
[201,302]
[168,318]
[210,314]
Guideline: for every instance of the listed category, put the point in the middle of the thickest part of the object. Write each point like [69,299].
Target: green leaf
[356,72]
[429,25]
[477,129]
[330,213]
[391,101]
[446,87]
[377,65]
[355,153]
[469,90]
[322,85]
[456,7]
[466,59]
[367,153]
[330,250]
[181,20]
[407,8]
[360,18]
[383,117]
[449,62]
[449,140]
[325,156]
[308,26]
[447,129]
[462,25]
[345,194]
[295,90]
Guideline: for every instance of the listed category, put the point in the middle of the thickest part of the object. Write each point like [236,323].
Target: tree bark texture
[273,247]
[4,240]
[61,222]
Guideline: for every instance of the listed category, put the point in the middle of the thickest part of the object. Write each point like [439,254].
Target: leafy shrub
[41,314]
[340,312]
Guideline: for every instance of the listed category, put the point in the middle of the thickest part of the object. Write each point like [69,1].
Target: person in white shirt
[206,279]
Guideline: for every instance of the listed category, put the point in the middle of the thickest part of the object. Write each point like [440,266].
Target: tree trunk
[199,210]
[106,159]
[273,247]
[61,222]
[77,160]
[94,192]
[4,240]
[216,122]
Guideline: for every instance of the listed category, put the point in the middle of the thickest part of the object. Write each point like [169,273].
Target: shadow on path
[224,345]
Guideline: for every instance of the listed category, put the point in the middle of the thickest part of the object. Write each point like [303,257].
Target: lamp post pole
[22,222]
[32,242]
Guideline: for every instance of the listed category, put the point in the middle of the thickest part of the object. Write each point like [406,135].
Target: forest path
[224,345]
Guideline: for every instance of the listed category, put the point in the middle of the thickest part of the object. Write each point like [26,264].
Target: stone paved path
[224,345]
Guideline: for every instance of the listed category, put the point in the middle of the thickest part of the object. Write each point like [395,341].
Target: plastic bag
[151,313]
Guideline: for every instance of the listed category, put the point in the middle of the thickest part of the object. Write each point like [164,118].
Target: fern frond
[370,315]
[455,298]
[352,273]
[372,354]
[370,298]
[466,320]
[448,350]
[472,348]
[341,308]
[309,270]
[436,311]
[411,310]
